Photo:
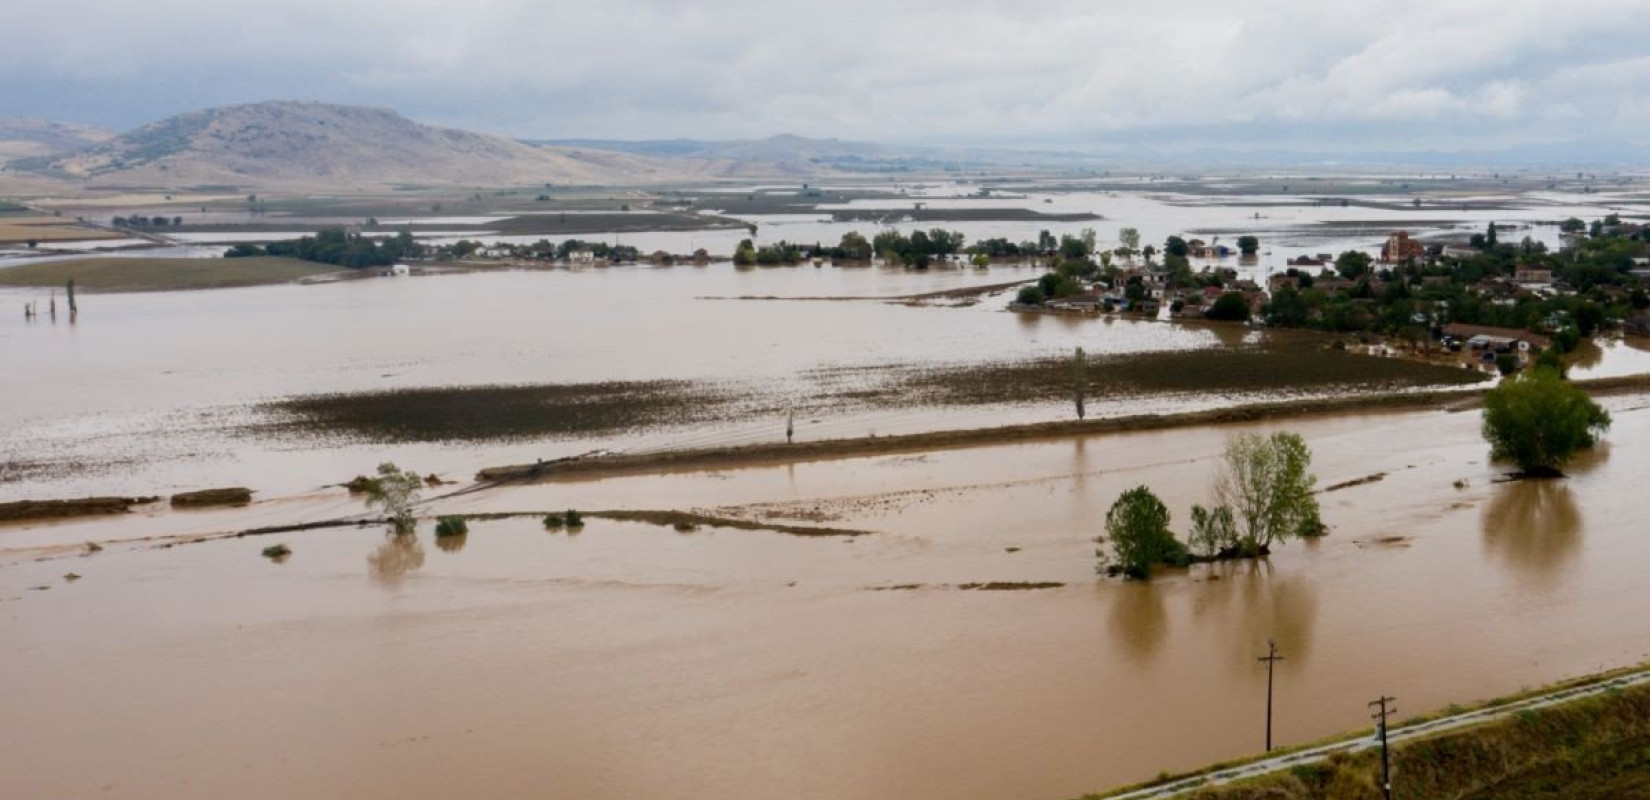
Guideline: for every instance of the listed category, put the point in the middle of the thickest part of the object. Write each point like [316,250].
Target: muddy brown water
[151,393]
[632,660]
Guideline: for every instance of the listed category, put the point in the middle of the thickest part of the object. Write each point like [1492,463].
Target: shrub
[395,490]
[277,551]
[451,526]
[553,521]
[1030,296]
[573,519]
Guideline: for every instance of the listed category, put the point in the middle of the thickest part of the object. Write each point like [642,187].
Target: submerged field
[161,274]
[1273,370]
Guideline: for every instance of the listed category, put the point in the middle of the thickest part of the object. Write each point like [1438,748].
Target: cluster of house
[1183,303]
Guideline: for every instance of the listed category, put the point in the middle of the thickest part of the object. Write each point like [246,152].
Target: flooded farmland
[627,659]
[920,624]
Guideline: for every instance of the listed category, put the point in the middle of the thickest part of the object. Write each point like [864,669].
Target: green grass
[161,274]
[1596,748]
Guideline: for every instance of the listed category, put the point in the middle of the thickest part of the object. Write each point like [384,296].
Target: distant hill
[800,154]
[318,145]
[25,137]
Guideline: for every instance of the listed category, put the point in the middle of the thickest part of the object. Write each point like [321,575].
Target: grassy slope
[1591,749]
[156,274]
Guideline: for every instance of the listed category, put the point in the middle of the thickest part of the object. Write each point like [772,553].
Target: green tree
[1248,245]
[395,491]
[1538,420]
[1287,307]
[1213,531]
[745,254]
[1130,239]
[1352,264]
[1267,483]
[1137,526]
[1030,296]
[1229,307]
[855,246]
[1176,246]
[1573,225]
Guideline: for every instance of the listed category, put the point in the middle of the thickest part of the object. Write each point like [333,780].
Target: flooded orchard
[629,659]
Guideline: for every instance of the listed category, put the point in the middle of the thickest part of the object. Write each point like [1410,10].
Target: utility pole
[1270,659]
[1383,709]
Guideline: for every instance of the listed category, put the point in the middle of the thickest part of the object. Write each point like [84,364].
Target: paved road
[1397,734]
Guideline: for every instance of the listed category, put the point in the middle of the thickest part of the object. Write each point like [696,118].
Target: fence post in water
[1079,380]
[790,425]
[73,309]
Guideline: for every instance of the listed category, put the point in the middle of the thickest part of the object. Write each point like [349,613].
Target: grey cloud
[1245,73]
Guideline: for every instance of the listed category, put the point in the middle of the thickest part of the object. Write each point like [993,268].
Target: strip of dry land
[780,452]
[120,274]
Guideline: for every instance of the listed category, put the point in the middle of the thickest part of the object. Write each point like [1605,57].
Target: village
[1489,306]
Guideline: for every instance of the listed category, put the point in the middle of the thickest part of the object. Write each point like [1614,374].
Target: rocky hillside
[317,145]
[24,137]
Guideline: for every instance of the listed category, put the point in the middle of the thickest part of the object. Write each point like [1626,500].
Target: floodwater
[630,660]
[635,661]
[150,384]
[149,393]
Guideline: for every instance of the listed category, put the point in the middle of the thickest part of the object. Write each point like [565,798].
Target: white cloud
[986,70]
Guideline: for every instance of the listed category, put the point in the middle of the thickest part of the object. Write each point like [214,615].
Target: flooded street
[634,660]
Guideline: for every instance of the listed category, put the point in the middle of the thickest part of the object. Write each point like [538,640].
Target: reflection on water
[451,544]
[1247,602]
[396,556]
[1534,526]
[1139,619]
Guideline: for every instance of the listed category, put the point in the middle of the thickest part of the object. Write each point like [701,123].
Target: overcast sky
[1306,74]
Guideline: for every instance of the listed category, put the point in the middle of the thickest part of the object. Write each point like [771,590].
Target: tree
[1176,246]
[854,246]
[1130,238]
[745,254]
[1573,225]
[1229,307]
[1030,296]
[1267,483]
[1137,526]
[1090,239]
[1538,420]
[1352,264]
[1248,245]
[1214,531]
[396,491]
[1287,307]
[1489,236]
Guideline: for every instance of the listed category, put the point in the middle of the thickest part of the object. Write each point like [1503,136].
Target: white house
[399,270]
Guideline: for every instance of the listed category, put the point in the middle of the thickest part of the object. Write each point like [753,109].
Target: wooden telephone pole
[1382,710]
[1270,659]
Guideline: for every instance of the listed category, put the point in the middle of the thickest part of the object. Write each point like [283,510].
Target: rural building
[1525,274]
[399,270]
[1400,248]
[1481,337]
[582,257]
